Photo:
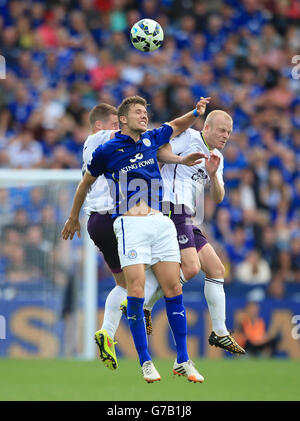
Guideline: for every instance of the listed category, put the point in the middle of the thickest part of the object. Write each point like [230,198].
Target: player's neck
[206,141]
[135,135]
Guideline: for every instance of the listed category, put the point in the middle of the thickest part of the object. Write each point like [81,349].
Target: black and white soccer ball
[146,35]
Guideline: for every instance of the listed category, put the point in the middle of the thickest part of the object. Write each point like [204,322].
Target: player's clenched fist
[71,226]
[201,105]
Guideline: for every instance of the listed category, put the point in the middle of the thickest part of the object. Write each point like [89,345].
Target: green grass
[225,380]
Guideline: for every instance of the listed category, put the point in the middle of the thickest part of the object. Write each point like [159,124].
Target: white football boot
[149,372]
[188,370]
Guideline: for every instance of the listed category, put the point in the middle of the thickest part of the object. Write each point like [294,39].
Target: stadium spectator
[51,109]
[253,334]
[295,255]
[238,246]
[20,222]
[276,289]
[37,201]
[6,208]
[268,246]
[21,105]
[18,269]
[35,251]
[254,270]
[25,151]
[234,163]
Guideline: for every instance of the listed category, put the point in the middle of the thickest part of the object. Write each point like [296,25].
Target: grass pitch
[225,380]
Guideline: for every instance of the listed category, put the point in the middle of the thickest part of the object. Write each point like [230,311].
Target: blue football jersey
[131,168]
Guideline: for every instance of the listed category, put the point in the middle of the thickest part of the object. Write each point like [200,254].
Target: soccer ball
[146,35]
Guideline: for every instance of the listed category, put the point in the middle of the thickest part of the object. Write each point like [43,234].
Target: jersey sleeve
[161,135]
[180,143]
[96,165]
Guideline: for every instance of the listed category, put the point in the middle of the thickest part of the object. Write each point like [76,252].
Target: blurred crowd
[63,57]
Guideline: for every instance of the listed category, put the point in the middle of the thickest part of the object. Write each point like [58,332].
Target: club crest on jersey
[120,150]
[199,175]
[147,142]
[182,239]
[132,254]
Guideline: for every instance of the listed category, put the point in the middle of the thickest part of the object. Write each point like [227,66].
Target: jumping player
[104,124]
[182,187]
[144,235]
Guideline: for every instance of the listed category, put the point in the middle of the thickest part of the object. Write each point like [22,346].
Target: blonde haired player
[183,186]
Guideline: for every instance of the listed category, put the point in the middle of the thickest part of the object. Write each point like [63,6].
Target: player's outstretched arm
[182,123]
[72,224]
[166,156]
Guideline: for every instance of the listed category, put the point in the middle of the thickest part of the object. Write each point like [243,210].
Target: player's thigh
[168,276]
[190,263]
[210,262]
[100,228]
[135,279]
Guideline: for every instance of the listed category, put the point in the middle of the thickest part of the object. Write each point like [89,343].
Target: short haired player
[181,185]
[104,123]
[145,236]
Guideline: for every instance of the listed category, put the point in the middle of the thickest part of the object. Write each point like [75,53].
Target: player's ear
[123,119]
[98,124]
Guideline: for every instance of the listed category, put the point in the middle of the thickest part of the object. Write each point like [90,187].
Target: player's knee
[173,290]
[135,288]
[218,272]
[176,290]
[190,270]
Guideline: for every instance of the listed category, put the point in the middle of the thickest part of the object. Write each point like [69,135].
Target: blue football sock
[135,316]
[177,321]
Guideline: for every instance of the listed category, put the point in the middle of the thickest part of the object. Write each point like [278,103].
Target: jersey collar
[201,133]
[119,135]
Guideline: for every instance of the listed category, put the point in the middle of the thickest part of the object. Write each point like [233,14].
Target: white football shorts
[146,239]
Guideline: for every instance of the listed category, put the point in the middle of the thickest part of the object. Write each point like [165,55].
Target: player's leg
[190,264]
[153,293]
[112,313]
[100,229]
[135,279]
[134,253]
[216,301]
[168,274]
[213,287]
[167,271]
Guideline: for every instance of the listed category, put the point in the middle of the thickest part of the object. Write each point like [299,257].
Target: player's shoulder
[183,136]
[96,139]
[194,134]
[112,144]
